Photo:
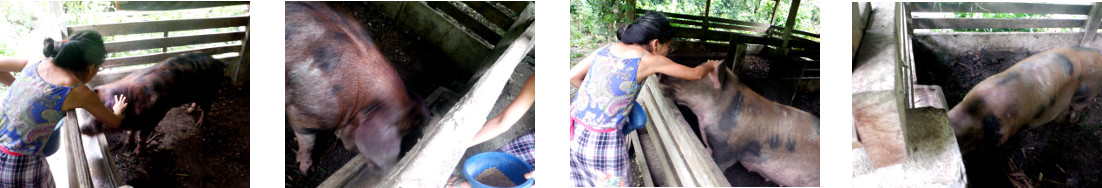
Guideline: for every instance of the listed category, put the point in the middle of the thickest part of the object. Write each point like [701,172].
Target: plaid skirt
[25,171]
[524,147]
[599,159]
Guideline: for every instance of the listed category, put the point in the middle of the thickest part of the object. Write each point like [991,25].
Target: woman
[38,99]
[608,80]
[522,147]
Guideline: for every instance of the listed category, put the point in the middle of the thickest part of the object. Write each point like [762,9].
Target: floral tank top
[605,96]
[31,110]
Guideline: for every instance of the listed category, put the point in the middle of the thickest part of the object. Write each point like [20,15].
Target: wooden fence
[89,159]
[234,54]
[1078,30]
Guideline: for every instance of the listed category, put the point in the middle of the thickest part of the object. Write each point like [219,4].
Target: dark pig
[338,80]
[1051,85]
[781,143]
[186,78]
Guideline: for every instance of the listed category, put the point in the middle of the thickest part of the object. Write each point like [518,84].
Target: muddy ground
[1053,155]
[215,154]
[423,68]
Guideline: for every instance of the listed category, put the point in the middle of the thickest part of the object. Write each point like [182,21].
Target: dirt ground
[215,154]
[1053,155]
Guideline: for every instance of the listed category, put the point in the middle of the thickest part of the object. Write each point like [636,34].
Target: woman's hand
[120,104]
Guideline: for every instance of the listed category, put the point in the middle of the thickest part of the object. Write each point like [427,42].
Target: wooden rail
[165,26]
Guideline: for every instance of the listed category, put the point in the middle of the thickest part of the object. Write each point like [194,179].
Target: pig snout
[380,143]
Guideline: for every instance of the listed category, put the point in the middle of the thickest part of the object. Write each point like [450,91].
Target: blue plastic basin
[514,168]
[637,118]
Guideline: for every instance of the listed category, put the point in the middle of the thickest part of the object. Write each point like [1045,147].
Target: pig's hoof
[303,166]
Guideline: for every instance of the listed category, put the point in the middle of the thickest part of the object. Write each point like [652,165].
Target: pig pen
[766,76]
[222,144]
[1053,155]
[429,69]
[182,154]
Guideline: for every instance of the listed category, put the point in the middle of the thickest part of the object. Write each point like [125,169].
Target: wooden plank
[805,33]
[678,167]
[162,26]
[491,13]
[694,17]
[470,23]
[702,167]
[141,44]
[78,166]
[346,173]
[663,161]
[152,58]
[998,7]
[660,152]
[633,138]
[241,65]
[720,25]
[1091,26]
[421,165]
[172,5]
[995,23]
[516,6]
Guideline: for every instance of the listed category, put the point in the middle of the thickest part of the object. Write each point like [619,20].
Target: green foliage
[594,22]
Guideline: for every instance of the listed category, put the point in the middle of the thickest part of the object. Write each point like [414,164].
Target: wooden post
[1092,24]
[792,11]
[707,11]
[241,68]
[776,4]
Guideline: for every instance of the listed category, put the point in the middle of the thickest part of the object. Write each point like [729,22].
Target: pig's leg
[1079,101]
[192,108]
[345,134]
[203,108]
[304,137]
[143,137]
[305,145]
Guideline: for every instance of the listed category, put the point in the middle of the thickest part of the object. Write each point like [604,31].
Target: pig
[779,142]
[190,78]
[337,79]
[1053,85]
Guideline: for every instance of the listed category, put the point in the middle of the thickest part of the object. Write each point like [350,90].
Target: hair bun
[49,48]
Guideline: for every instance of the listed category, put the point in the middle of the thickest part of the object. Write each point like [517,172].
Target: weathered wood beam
[516,6]
[793,10]
[163,26]
[142,44]
[493,14]
[1092,24]
[994,23]
[421,165]
[999,7]
[152,58]
[461,46]
[172,5]
[466,20]
[79,173]
[713,20]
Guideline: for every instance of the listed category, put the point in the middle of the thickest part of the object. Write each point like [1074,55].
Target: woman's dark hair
[83,49]
[648,27]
